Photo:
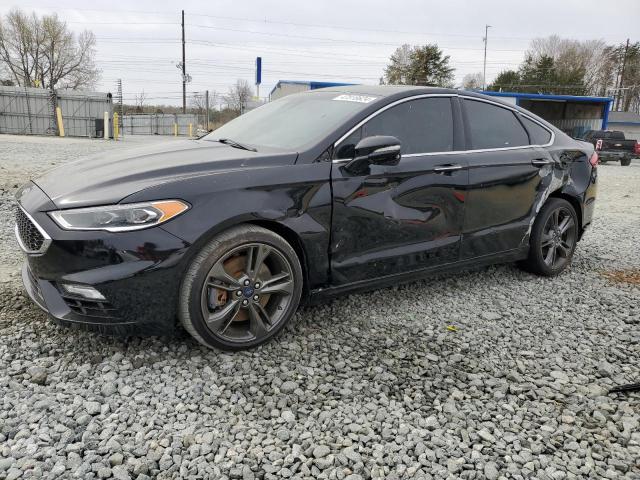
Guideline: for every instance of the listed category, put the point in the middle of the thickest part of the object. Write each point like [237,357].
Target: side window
[538,135]
[423,125]
[492,126]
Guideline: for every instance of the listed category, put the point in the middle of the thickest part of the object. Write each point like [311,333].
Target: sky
[342,41]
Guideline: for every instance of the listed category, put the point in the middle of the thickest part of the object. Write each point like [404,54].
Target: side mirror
[376,150]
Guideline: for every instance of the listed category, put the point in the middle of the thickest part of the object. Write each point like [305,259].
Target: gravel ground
[488,374]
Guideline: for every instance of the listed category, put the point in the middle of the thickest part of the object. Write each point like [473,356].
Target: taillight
[636,148]
[594,160]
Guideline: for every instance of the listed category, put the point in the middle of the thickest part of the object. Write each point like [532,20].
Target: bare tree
[238,96]
[472,81]
[574,61]
[42,52]
[140,98]
[399,64]
[21,46]
[214,99]
[199,101]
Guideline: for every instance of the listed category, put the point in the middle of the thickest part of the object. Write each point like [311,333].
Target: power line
[295,24]
[285,35]
[340,40]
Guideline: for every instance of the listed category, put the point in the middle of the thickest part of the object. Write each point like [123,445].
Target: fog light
[83,291]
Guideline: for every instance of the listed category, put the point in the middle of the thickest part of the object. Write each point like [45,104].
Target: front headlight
[119,218]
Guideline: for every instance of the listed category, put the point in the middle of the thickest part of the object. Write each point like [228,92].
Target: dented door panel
[397,219]
[506,187]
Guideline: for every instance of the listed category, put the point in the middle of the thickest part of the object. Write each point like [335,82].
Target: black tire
[625,162]
[547,234]
[260,256]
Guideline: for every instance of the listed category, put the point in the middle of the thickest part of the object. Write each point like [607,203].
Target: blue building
[571,113]
[287,87]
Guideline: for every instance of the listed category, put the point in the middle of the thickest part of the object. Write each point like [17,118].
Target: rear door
[407,217]
[506,169]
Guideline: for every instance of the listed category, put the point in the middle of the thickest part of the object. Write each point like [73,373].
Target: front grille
[29,235]
[90,308]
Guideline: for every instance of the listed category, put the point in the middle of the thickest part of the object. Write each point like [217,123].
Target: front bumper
[140,298]
[45,294]
[138,273]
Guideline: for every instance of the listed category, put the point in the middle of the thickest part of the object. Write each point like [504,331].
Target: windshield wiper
[234,144]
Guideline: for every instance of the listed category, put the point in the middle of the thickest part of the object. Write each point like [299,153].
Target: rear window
[538,135]
[615,135]
[492,126]
[606,135]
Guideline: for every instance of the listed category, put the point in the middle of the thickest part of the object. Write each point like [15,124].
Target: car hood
[109,177]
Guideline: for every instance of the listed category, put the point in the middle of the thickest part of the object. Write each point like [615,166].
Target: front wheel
[553,238]
[241,289]
[625,162]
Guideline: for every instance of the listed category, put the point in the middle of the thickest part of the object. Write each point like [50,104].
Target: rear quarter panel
[581,183]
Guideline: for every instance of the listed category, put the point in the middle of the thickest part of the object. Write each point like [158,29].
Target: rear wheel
[241,289]
[553,238]
[625,162]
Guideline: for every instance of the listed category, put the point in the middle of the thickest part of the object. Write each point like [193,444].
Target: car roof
[400,91]
[393,92]
[385,90]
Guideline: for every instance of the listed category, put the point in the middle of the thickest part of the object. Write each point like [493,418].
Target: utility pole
[620,89]
[206,101]
[184,71]
[484,71]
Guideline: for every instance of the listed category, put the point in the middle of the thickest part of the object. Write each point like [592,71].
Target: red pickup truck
[612,146]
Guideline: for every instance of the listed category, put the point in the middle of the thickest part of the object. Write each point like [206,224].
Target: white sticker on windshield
[355,98]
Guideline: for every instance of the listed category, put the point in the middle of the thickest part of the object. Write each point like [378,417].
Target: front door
[402,218]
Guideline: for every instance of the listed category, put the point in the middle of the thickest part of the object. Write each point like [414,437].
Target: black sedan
[307,197]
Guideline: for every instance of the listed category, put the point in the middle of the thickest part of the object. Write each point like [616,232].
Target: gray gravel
[490,374]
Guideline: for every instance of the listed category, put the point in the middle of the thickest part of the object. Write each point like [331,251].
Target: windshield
[292,122]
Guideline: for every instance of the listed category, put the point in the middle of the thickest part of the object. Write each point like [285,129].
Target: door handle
[541,162]
[447,168]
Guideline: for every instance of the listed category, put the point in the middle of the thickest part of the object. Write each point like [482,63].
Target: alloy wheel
[247,292]
[558,238]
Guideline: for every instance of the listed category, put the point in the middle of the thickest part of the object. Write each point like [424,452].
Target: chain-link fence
[32,111]
[163,124]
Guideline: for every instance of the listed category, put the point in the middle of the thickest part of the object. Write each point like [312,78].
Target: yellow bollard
[60,124]
[191,129]
[116,127]
[175,129]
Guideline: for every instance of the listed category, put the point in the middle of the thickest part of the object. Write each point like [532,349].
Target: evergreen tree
[419,65]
